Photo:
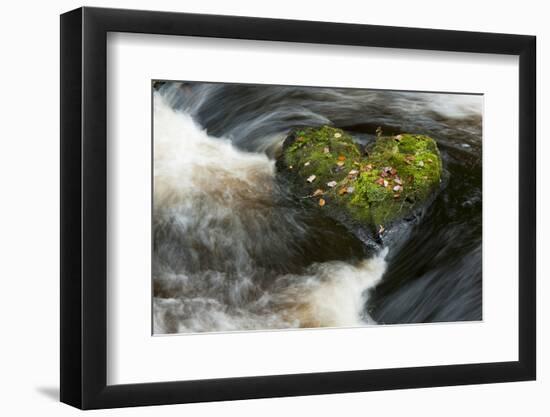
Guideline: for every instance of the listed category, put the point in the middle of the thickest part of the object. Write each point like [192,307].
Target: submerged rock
[377,185]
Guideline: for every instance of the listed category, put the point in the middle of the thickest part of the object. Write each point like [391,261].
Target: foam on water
[222,233]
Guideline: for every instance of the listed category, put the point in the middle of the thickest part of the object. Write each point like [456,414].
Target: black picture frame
[84,207]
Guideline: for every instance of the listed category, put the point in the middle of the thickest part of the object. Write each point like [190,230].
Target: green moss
[316,151]
[416,162]
[397,174]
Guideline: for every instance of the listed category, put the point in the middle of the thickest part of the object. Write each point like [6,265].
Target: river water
[234,250]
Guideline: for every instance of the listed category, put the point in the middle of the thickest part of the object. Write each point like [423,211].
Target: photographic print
[287,207]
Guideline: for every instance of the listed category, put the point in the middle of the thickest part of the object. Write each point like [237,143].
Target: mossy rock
[375,185]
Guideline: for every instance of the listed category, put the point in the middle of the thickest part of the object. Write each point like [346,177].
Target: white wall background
[29,237]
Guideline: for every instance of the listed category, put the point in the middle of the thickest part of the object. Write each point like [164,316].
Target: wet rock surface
[374,185]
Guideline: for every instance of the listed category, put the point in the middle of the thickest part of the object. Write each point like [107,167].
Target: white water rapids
[223,232]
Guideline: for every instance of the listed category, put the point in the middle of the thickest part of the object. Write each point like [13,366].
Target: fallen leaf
[368,167]
[353,174]
[380,181]
[340,163]
[332,184]
[326,149]
[381,230]
[311,178]
[386,183]
[341,158]
[397,188]
[393,171]
[342,191]
[397,195]
[337,135]
[398,181]
[398,137]
[322,202]
[318,192]
[307,164]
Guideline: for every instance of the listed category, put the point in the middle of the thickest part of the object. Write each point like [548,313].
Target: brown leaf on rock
[409,159]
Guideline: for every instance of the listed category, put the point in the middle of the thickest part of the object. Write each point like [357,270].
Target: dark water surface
[234,251]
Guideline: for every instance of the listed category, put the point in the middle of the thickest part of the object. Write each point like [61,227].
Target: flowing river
[234,250]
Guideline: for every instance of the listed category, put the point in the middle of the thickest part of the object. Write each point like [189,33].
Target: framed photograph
[258,208]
